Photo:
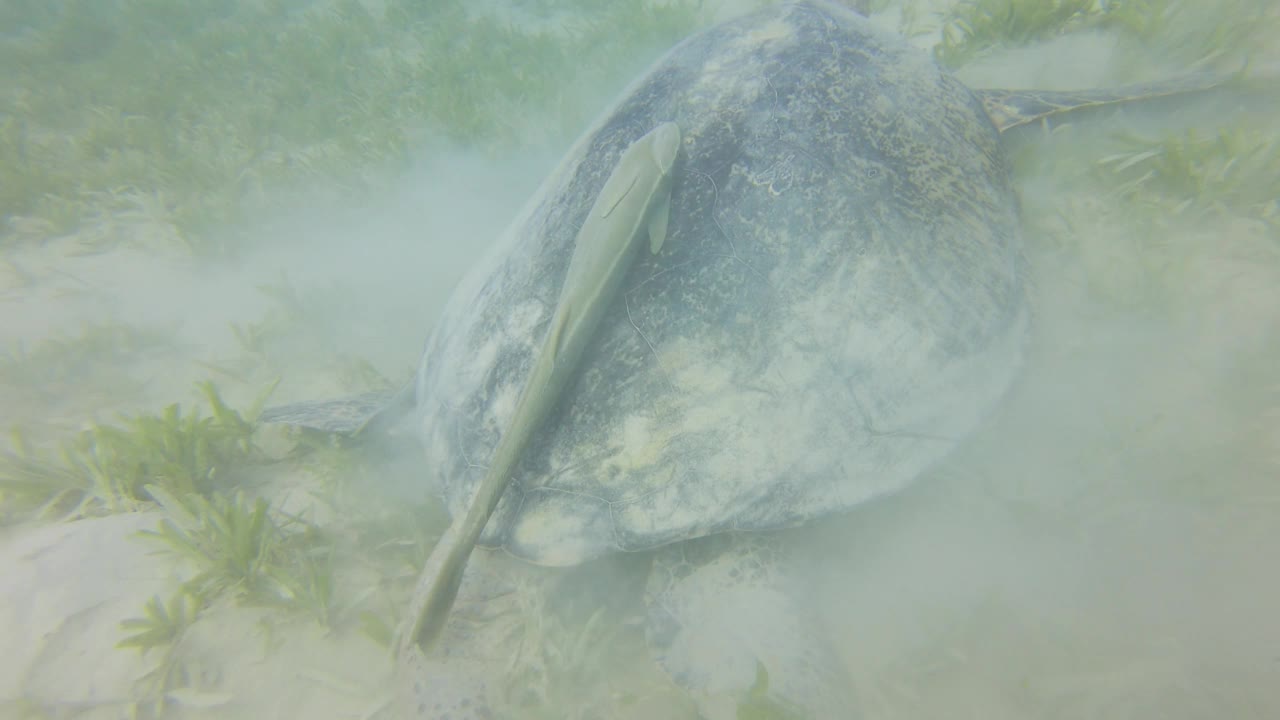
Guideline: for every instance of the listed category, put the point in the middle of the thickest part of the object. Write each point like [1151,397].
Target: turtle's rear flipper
[354,415]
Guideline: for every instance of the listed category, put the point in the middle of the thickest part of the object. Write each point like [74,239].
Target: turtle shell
[839,301]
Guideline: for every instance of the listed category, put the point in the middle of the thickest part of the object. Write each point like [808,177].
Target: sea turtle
[834,296]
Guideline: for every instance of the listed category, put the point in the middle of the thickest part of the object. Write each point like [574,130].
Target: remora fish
[634,202]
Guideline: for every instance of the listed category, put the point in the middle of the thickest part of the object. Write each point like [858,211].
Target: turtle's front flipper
[368,412]
[728,624]
[1012,108]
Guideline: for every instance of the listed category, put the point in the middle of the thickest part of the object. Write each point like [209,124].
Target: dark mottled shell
[839,302]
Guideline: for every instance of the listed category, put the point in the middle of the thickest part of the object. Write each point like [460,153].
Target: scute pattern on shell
[839,301]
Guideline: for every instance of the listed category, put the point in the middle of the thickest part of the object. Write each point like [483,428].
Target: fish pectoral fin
[658,224]
[665,145]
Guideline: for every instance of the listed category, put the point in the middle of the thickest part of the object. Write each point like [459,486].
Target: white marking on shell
[557,531]
[639,443]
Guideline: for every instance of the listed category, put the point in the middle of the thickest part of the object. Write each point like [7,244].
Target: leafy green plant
[59,360]
[106,467]
[306,576]
[1196,33]
[159,117]
[1190,32]
[161,627]
[288,310]
[975,26]
[243,547]
[42,484]
[184,453]
[378,627]
[387,544]
[298,323]
[230,540]
[1189,174]
[161,623]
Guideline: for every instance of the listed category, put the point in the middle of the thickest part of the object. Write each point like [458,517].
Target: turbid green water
[288,191]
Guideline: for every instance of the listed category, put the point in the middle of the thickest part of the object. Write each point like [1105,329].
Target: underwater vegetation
[107,467]
[161,121]
[241,546]
[61,360]
[1189,175]
[1191,33]
[161,627]
[977,26]
[180,118]
[294,324]
[236,544]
